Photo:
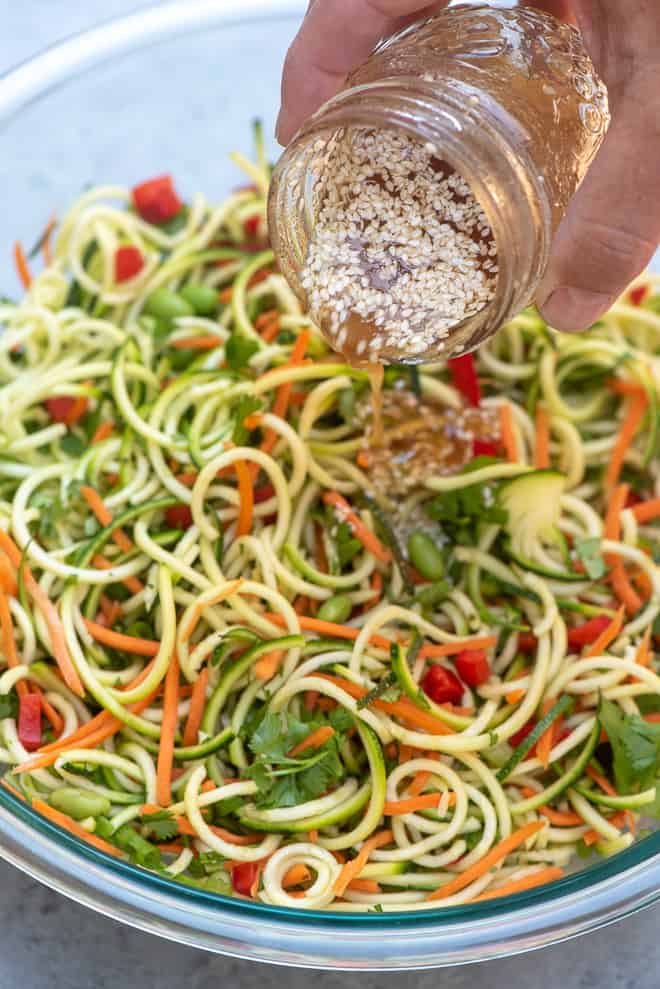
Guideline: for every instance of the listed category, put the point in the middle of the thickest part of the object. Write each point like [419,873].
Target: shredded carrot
[313,836]
[377,587]
[301,605]
[131,583]
[296,876]
[246,496]
[198,610]
[117,640]
[608,635]
[77,411]
[282,396]
[647,510]
[8,581]
[54,717]
[9,643]
[264,318]
[631,422]
[187,480]
[226,294]
[363,459]
[267,666]
[12,790]
[617,820]
[104,517]
[171,847]
[204,341]
[507,433]
[51,616]
[542,445]
[345,513]
[546,741]
[111,610]
[352,869]
[514,696]
[22,267]
[495,855]
[548,875]
[561,819]
[196,710]
[621,387]
[419,781]
[644,654]
[403,708]
[314,740]
[108,727]
[393,808]
[618,498]
[364,886]
[66,822]
[167,733]
[623,589]
[428,651]
[102,432]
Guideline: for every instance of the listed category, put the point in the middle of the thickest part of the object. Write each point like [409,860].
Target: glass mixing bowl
[174,88]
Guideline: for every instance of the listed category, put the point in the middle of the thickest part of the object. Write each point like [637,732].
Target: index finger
[334,38]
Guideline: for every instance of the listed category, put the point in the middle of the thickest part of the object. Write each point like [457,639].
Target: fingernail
[278,129]
[572,309]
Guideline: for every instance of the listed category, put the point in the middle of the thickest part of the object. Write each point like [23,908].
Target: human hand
[612,226]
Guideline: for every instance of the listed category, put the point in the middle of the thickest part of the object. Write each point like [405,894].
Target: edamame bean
[79,804]
[425,556]
[202,298]
[336,609]
[165,304]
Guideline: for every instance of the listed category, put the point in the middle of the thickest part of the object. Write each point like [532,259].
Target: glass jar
[511,101]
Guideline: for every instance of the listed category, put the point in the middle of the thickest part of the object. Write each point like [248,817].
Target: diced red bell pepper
[473,667]
[442,686]
[66,408]
[129,262]
[638,294]
[587,633]
[527,642]
[263,493]
[463,372]
[522,733]
[29,722]
[178,517]
[251,226]
[633,499]
[243,875]
[156,200]
[484,448]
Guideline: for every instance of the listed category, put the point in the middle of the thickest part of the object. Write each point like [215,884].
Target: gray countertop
[51,943]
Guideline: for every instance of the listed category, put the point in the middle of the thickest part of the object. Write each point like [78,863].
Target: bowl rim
[581,902]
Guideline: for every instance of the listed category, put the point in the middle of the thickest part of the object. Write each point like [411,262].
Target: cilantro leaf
[283,780]
[73,445]
[589,552]
[246,405]
[162,825]
[459,512]
[635,746]
[239,349]
[8,705]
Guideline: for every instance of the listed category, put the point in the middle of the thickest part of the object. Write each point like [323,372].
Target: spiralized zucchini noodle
[246,649]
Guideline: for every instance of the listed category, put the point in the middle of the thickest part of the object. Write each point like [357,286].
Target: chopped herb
[246,405]
[283,780]
[161,824]
[589,552]
[8,705]
[239,349]
[635,747]
[380,691]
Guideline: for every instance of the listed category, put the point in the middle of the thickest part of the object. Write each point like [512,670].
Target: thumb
[612,226]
